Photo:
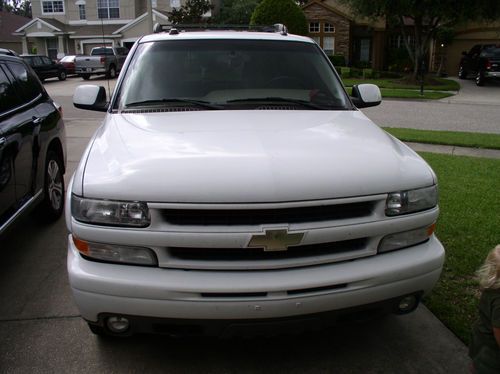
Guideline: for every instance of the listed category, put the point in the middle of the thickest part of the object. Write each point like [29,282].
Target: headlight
[405,239]
[404,202]
[115,253]
[108,212]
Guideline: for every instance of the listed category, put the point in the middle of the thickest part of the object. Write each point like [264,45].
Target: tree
[19,7]
[287,12]
[424,18]
[237,12]
[190,13]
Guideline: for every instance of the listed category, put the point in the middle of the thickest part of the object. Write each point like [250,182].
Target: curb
[454,150]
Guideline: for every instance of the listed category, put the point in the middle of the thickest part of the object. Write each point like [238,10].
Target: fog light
[407,304]
[117,324]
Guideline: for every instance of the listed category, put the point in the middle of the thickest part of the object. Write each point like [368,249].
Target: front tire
[85,76]
[52,205]
[111,72]
[62,75]
[462,74]
[480,79]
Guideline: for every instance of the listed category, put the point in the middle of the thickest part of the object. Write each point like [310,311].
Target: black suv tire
[52,206]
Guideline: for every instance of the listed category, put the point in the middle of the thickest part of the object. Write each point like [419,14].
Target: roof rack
[176,28]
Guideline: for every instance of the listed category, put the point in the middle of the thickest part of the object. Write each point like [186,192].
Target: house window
[329,45]
[81,10]
[314,27]
[329,27]
[53,6]
[108,9]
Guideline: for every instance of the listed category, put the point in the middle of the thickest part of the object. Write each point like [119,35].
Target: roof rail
[174,29]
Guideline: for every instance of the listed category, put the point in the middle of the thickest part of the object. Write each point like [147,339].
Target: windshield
[231,74]
[491,52]
[68,59]
[101,52]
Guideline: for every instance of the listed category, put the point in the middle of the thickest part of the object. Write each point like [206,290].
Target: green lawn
[445,84]
[468,227]
[463,139]
[409,94]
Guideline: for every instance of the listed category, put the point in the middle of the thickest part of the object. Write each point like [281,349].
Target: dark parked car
[32,146]
[8,52]
[45,68]
[482,61]
[69,63]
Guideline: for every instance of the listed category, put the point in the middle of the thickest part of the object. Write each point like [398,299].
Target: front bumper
[101,288]
[492,74]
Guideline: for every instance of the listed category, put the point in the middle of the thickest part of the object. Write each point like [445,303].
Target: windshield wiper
[283,100]
[198,103]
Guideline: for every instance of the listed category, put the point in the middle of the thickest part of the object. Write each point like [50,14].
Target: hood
[247,157]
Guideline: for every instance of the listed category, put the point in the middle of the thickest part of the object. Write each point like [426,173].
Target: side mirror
[90,97]
[366,95]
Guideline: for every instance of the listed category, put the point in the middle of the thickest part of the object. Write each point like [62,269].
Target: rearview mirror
[366,95]
[90,97]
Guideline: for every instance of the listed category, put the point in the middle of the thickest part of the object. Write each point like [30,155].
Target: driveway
[474,109]
[41,331]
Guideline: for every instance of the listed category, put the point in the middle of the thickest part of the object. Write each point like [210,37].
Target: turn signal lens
[116,253]
[405,239]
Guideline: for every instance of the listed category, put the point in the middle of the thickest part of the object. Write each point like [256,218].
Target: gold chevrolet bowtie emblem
[275,240]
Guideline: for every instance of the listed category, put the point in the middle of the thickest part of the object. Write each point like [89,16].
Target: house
[9,23]
[466,36]
[339,32]
[61,27]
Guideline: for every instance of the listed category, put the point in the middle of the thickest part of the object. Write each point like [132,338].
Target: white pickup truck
[102,60]
[235,187]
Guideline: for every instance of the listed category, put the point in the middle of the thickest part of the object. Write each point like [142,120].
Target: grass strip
[468,228]
[445,84]
[462,139]
[409,94]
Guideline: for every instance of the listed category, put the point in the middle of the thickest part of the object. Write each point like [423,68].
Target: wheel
[111,72]
[85,76]
[480,79]
[52,205]
[62,75]
[462,74]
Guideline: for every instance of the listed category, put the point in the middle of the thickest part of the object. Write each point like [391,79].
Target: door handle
[37,120]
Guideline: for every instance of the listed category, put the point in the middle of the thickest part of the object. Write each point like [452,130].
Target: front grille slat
[202,217]
[258,254]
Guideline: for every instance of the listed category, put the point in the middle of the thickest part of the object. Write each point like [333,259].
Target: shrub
[367,73]
[287,12]
[337,60]
[345,72]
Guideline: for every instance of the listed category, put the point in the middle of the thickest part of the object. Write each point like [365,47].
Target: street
[41,331]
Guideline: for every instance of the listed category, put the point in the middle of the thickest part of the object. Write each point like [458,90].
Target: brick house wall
[318,13]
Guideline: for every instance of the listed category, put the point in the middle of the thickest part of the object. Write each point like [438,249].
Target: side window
[36,61]
[8,97]
[46,61]
[29,85]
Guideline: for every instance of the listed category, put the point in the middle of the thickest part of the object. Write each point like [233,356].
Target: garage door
[88,47]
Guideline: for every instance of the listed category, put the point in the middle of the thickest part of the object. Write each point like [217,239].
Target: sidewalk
[454,150]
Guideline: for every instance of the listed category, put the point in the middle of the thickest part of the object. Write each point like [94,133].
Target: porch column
[60,46]
[25,45]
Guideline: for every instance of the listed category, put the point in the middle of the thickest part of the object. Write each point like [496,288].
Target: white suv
[234,183]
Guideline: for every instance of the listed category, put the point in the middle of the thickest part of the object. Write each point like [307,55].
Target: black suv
[32,146]
[45,68]
[483,61]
